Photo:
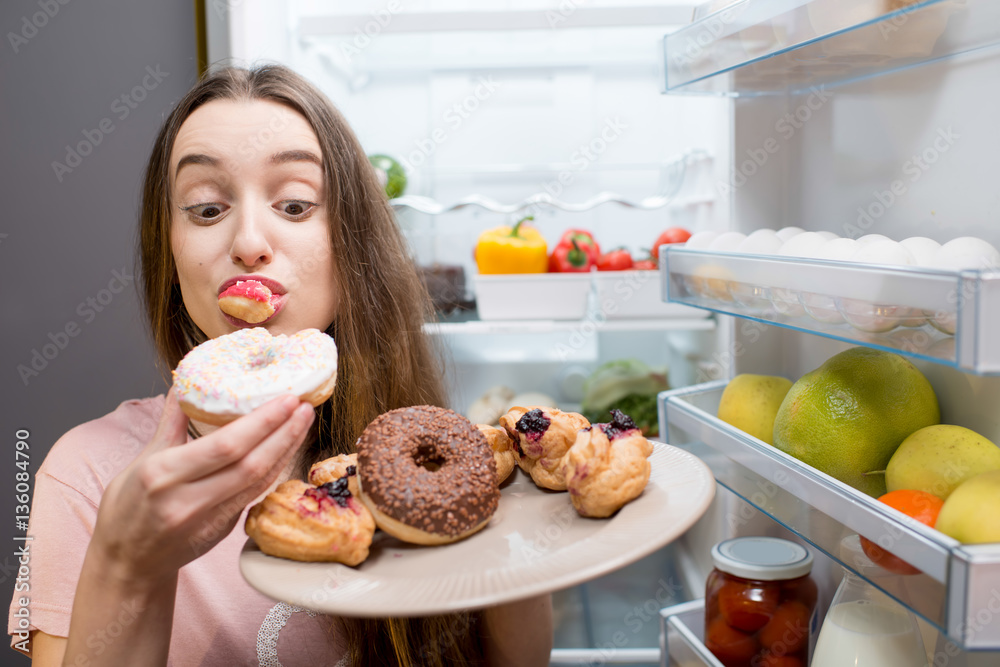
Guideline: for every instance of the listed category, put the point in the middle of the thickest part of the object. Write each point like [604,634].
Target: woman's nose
[251,246]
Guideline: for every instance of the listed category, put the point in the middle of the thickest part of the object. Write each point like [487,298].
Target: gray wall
[74,345]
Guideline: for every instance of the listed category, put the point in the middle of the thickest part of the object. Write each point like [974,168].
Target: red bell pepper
[571,258]
[584,239]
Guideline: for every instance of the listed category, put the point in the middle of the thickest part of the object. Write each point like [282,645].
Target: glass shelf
[767,47]
[959,588]
[936,315]
[491,327]
[674,175]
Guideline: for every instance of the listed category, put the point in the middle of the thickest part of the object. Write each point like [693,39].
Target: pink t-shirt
[218,618]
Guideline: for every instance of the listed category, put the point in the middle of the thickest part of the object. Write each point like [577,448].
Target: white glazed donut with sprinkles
[232,375]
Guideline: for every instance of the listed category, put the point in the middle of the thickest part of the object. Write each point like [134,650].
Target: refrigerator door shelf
[931,314]
[767,47]
[682,631]
[959,585]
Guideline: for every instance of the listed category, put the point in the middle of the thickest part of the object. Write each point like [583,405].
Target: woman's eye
[205,211]
[295,208]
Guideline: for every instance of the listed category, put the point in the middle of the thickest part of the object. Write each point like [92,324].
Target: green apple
[970,513]
[937,459]
[750,402]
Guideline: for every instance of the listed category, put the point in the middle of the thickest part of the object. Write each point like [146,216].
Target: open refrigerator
[847,116]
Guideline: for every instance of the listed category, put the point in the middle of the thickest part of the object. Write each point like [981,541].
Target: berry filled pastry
[541,438]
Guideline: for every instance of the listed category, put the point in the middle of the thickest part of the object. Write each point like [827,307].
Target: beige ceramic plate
[536,543]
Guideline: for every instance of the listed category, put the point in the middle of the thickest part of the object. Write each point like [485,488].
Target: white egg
[967,252]
[696,284]
[883,252]
[875,317]
[829,236]
[820,307]
[839,250]
[786,301]
[786,233]
[922,248]
[727,241]
[700,240]
[801,245]
[761,242]
[871,238]
[716,286]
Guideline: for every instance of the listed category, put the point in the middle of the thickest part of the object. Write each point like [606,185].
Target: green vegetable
[390,174]
[628,385]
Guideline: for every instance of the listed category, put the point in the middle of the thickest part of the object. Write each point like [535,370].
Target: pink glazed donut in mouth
[248,300]
[232,375]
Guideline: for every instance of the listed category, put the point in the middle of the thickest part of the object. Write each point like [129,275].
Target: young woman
[137,517]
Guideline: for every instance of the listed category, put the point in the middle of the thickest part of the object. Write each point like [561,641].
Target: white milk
[862,634]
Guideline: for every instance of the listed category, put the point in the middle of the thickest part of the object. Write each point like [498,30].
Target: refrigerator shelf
[959,590]
[934,315]
[765,47]
[682,629]
[674,173]
[491,327]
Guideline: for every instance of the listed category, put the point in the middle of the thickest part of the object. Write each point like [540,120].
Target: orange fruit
[918,505]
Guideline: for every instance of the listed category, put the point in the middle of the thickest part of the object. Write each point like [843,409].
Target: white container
[532,296]
[636,295]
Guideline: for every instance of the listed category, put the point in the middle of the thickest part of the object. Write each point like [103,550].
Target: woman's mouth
[250,301]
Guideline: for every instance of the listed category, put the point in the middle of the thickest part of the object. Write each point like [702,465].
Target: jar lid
[763,558]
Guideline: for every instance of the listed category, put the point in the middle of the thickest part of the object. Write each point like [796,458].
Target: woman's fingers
[261,466]
[227,445]
[228,492]
[172,429]
[226,513]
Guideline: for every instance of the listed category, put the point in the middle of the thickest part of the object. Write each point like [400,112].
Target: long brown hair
[385,359]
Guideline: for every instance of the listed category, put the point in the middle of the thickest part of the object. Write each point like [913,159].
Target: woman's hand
[179,499]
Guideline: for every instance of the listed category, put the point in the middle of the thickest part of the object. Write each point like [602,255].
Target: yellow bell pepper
[516,249]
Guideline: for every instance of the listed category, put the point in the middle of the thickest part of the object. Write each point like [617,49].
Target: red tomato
[729,645]
[645,265]
[747,607]
[788,629]
[616,260]
[672,235]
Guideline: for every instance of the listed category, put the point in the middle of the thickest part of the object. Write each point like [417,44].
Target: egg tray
[959,588]
[934,314]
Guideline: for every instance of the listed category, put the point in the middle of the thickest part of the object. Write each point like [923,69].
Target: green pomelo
[847,417]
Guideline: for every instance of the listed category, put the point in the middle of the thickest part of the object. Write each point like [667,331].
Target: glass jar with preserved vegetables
[760,603]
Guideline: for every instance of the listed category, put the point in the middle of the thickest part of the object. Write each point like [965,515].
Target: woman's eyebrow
[196,158]
[295,156]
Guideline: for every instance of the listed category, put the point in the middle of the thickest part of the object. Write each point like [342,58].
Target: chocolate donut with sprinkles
[232,375]
[427,475]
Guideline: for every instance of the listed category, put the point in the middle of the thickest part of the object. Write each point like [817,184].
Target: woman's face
[247,201]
